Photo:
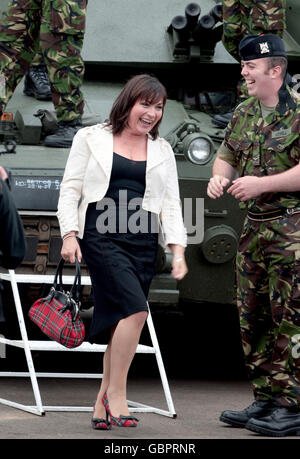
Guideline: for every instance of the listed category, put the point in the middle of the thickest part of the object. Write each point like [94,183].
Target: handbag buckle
[74,306]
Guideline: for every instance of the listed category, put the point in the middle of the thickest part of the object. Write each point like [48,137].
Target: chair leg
[160,364]
[24,335]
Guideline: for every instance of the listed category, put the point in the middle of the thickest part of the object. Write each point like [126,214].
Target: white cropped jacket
[87,175]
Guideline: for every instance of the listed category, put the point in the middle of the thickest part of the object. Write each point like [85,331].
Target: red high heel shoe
[100,423]
[121,421]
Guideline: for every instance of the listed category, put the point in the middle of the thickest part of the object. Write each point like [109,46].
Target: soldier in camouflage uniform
[245,17]
[56,28]
[262,148]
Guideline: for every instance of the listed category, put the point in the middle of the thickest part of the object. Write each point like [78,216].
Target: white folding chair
[48,345]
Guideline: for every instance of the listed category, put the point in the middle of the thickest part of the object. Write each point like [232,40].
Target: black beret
[258,46]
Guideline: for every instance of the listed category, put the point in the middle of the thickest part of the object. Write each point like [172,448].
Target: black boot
[63,137]
[257,409]
[37,83]
[280,423]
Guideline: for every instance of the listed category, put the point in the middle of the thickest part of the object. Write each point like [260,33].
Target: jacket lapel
[100,142]
[155,155]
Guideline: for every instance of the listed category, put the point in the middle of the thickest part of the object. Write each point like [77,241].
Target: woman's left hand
[179,267]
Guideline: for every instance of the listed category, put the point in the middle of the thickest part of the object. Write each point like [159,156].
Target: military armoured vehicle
[180,43]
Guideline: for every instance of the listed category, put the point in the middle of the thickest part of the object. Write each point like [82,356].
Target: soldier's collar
[286,99]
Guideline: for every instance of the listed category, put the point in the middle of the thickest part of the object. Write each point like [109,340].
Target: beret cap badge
[264,47]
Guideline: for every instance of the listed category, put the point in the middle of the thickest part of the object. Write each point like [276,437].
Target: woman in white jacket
[125,178]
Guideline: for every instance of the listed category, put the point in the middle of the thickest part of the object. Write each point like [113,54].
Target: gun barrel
[203,28]
[192,13]
[206,22]
[217,12]
[180,26]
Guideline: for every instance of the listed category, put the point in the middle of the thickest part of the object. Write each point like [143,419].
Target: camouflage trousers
[268,299]
[245,17]
[56,28]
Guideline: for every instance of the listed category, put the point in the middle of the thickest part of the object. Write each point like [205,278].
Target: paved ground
[197,404]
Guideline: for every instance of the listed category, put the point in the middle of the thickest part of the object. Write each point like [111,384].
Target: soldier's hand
[216,185]
[246,187]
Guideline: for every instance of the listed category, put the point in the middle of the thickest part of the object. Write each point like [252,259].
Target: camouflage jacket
[257,146]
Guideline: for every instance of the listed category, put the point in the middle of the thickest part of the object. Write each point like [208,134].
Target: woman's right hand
[71,249]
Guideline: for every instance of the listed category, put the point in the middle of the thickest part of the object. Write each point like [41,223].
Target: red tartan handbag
[57,315]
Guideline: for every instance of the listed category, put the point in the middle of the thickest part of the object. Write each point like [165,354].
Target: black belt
[272,214]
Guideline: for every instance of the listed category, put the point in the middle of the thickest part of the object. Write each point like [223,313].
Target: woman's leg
[116,363]
[123,346]
[99,407]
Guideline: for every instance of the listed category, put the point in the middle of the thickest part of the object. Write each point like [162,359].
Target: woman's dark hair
[145,87]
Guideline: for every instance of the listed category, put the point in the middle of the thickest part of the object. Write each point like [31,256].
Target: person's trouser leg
[284,275]
[61,40]
[19,36]
[268,265]
[254,311]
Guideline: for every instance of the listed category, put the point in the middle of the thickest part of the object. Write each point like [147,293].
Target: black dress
[119,246]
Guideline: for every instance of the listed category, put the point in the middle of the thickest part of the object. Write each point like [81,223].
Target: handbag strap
[75,289]
[59,273]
